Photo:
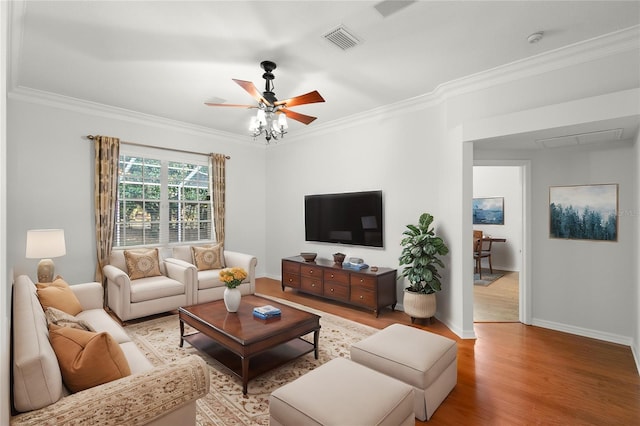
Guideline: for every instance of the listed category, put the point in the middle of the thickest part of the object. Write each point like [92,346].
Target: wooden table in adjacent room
[247,345]
[494,239]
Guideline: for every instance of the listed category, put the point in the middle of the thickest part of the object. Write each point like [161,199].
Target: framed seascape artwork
[488,211]
[584,212]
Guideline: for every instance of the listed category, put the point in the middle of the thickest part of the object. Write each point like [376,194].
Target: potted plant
[421,249]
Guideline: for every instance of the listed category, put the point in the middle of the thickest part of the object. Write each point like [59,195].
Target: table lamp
[44,244]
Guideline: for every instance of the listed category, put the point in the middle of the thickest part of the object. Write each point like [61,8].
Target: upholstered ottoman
[424,360]
[340,393]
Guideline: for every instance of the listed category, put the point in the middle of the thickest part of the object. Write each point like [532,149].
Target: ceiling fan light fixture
[253,124]
[261,117]
[282,121]
[265,121]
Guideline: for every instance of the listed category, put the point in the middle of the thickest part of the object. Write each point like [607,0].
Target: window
[162,201]
[189,203]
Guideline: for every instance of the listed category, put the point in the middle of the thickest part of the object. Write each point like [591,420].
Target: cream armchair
[141,297]
[207,284]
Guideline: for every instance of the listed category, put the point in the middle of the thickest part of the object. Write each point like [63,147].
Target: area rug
[225,404]
[487,278]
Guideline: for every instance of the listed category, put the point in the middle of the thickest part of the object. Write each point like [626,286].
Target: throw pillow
[142,263]
[87,359]
[208,257]
[58,295]
[57,317]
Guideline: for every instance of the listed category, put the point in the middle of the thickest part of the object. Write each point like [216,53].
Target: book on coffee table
[266,311]
[266,317]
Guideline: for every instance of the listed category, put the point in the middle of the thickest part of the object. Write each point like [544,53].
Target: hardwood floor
[514,374]
[497,302]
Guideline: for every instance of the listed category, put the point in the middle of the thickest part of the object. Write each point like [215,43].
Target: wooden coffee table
[247,345]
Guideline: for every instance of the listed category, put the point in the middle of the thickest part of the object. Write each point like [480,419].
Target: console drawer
[363,281]
[292,267]
[311,285]
[362,296]
[311,271]
[336,291]
[335,276]
[291,280]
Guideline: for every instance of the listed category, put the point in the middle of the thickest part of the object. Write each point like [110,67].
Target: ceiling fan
[269,106]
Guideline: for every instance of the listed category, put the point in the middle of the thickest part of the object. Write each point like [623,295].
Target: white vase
[232,298]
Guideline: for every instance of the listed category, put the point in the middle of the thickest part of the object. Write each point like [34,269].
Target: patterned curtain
[107,152]
[217,185]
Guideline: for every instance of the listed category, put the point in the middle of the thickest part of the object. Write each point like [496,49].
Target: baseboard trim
[461,333]
[584,332]
[635,358]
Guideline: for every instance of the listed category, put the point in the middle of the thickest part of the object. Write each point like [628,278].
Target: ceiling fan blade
[252,90]
[305,119]
[231,105]
[307,98]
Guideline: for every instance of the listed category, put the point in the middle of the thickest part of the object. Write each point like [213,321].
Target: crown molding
[101,110]
[626,40]
[17,10]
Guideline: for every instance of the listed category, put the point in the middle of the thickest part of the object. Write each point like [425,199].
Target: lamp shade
[261,117]
[253,124]
[45,243]
[282,121]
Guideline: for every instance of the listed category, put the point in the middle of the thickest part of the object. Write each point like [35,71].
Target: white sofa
[42,399]
[130,299]
[207,284]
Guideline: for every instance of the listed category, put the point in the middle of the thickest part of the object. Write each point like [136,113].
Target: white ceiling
[167,58]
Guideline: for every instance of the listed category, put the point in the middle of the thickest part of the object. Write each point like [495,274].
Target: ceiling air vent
[342,38]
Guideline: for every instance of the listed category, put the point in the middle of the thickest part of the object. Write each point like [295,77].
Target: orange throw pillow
[142,263]
[58,295]
[87,359]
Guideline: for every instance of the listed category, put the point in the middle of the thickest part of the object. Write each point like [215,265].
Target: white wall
[391,155]
[5,295]
[582,286]
[636,215]
[454,166]
[51,181]
[419,159]
[502,181]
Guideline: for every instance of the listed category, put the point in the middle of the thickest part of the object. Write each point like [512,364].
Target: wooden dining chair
[480,251]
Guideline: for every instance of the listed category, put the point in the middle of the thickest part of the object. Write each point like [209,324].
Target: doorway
[499,296]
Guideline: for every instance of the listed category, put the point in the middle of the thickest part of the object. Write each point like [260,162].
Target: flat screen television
[347,218]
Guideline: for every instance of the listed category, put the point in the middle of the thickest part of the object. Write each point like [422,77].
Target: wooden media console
[324,278]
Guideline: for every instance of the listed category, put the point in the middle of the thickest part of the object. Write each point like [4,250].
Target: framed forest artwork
[584,212]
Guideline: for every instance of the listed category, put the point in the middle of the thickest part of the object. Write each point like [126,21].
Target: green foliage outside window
[148,202]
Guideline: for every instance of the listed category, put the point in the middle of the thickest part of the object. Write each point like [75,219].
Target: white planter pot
[232,298]
[418,305]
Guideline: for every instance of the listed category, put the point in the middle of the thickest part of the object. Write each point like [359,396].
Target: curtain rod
[92,137]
